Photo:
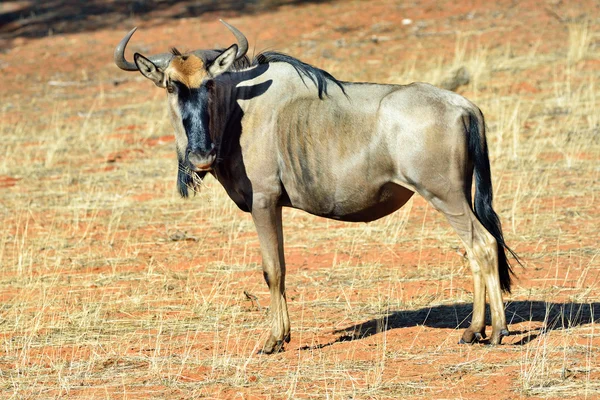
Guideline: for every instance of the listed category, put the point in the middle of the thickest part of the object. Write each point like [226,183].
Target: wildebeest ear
[223,62]
[149,70]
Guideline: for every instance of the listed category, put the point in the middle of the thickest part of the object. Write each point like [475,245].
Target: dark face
[196,153]
[185,80]
[192,103]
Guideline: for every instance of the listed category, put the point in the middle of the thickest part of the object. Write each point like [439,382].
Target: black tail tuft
[484,197]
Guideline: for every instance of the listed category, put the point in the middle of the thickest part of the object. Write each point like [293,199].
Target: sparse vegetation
[113,287]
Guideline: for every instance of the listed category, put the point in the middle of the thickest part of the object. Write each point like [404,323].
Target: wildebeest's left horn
[160,60]
[242,41]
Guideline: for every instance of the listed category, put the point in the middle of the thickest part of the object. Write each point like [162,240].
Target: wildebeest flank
[276,132]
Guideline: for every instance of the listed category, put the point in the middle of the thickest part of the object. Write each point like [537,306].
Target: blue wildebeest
[277,132]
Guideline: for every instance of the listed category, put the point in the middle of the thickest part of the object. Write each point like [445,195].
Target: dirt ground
[111,286]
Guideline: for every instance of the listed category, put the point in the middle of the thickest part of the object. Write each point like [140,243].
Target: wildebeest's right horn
[160,60]
[242,41]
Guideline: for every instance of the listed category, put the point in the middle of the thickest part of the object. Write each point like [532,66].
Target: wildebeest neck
[224,112]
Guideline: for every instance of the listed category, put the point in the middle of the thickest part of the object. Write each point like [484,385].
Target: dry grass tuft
[112,286]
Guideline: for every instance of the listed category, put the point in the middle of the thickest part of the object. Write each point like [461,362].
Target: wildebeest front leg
[267,219]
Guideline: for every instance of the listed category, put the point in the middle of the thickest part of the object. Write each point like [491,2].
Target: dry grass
[112,286]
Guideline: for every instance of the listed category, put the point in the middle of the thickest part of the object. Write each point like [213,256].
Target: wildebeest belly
[391,197]
[359,204]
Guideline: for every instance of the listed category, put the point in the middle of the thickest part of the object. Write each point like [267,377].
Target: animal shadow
[553,316]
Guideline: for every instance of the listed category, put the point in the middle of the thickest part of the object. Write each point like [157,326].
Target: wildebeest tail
[484,196]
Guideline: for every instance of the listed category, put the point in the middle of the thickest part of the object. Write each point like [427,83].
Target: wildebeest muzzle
[202,160]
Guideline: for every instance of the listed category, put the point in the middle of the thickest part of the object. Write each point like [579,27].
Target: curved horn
[120,53]
[242,41]
[160,60]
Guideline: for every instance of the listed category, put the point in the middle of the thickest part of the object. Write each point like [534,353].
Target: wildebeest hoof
[272,346]
[497,339]
[470,337]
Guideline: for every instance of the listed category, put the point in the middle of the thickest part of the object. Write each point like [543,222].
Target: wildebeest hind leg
[483,251]
[483,257]
[463,225]
[267,220]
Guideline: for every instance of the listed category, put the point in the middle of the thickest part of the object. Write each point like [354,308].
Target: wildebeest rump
[277,132]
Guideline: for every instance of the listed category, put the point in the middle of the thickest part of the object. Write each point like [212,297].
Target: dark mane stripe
[317,76]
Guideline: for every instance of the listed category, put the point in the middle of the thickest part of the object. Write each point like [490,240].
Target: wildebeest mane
[319,77]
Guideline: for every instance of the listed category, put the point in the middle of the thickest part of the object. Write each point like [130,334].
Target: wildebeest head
[183,76]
